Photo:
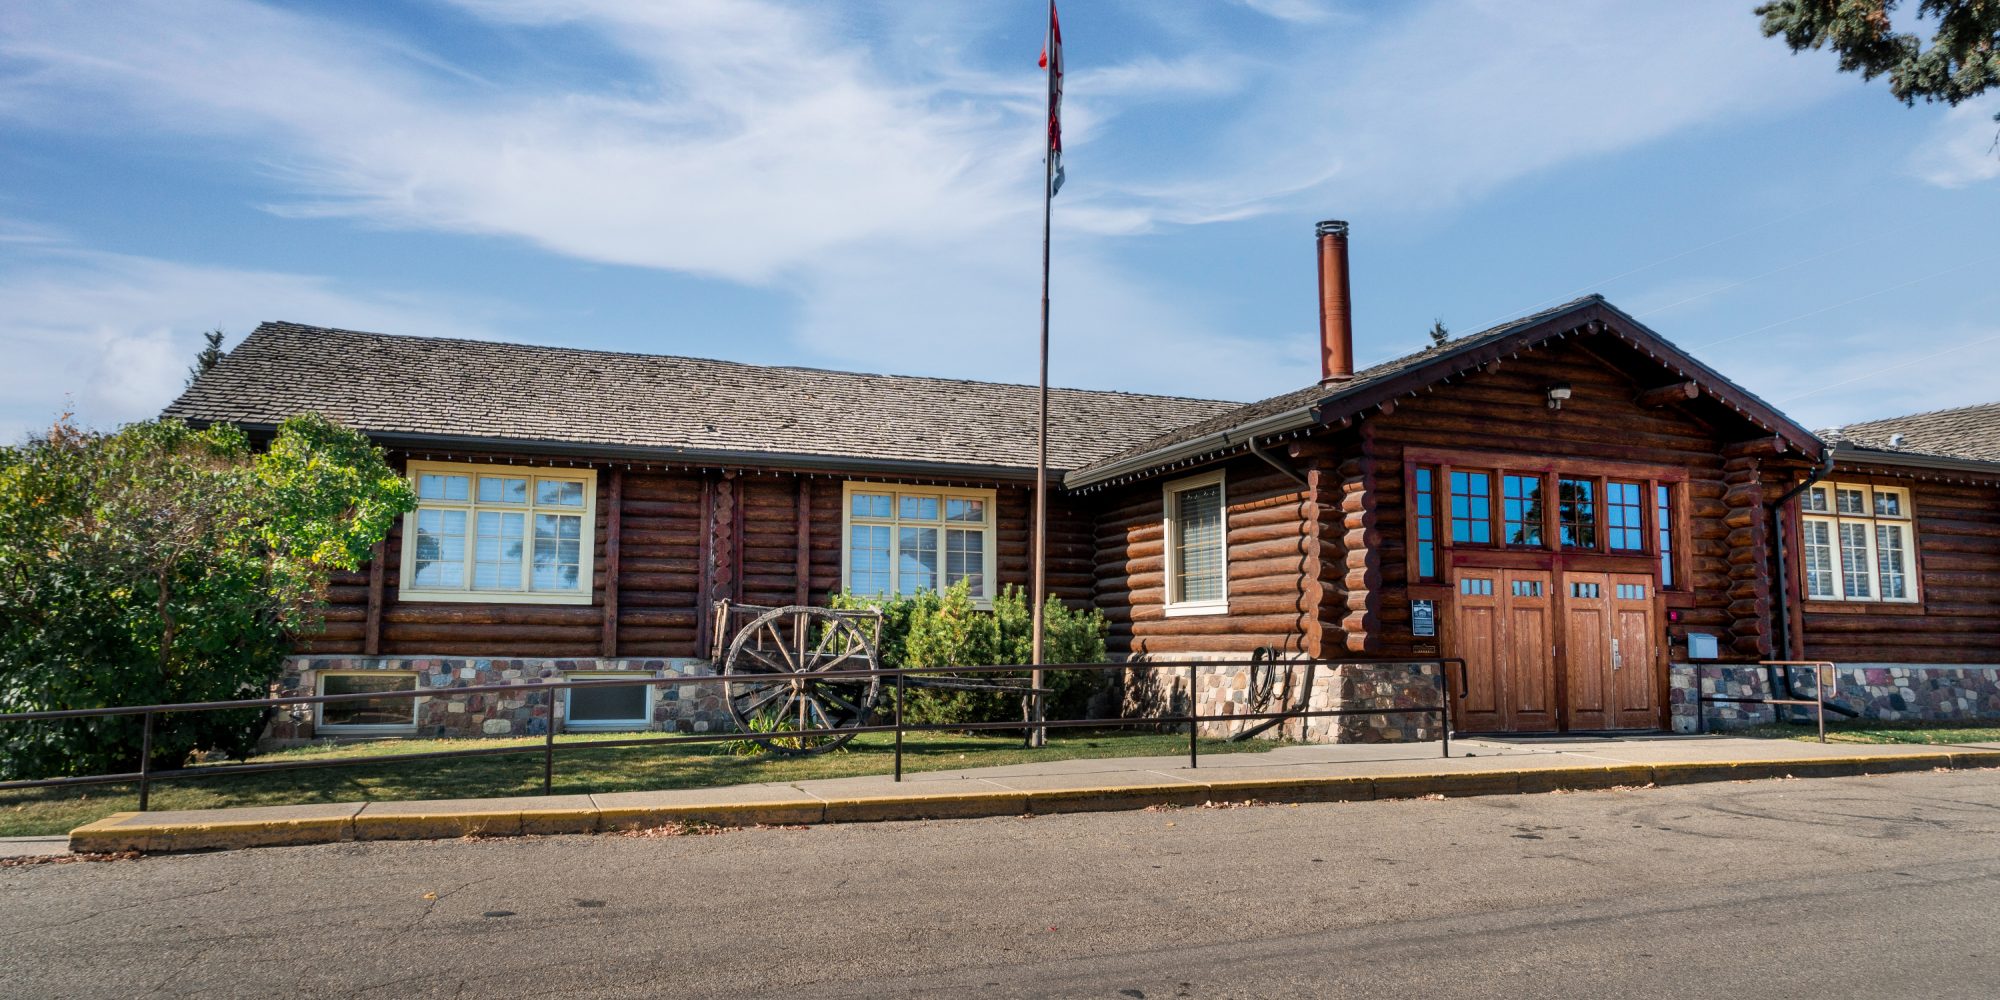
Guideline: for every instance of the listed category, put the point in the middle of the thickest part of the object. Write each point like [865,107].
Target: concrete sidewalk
[1285,774]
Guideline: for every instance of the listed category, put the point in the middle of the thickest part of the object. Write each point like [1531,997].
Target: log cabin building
[1574,505]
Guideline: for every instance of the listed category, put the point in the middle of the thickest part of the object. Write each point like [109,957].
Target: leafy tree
[162,563]
[1962,61]
[208,357]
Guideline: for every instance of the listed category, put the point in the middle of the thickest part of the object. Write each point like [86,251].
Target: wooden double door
[1556,651]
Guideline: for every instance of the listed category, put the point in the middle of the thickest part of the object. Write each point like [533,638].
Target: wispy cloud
[1963,148]
[112,335]
[777,146]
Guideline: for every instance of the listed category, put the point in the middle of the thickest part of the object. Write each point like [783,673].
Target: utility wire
[1884,371]
[1845,303]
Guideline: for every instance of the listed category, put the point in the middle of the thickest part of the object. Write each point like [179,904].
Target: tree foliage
[1961,61]
[164,563]
[208,357]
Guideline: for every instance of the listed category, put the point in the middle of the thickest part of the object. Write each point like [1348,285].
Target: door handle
[1616,660]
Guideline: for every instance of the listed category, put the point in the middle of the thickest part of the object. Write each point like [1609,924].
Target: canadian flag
[1053,62]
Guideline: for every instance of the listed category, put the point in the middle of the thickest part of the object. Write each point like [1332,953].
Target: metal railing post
[1819,696]
[146,763]
[899,726]
[1444,708]
[549,747]
[1194,718]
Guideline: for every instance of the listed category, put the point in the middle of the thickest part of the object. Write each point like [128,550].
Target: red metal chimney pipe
[1336,308]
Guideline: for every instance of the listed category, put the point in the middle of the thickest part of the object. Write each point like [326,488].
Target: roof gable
[1411,374]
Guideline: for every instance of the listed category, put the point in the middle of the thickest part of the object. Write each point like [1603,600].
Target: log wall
[1957,617]
[1272,554]
[1503,409]
[683,539]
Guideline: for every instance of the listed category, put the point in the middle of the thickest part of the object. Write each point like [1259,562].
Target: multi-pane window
[1663,514]
[1426,500]
[605,705]
[908,540]
[1521,509]
[1624,516]
[498,533]
[1471,508]
[1576,512]
[367,715]
[1196,544]
[1858,543]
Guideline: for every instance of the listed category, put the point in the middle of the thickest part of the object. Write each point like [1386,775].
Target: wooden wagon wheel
[769,678]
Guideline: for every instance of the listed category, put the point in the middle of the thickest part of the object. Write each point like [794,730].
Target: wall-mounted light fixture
[1557,393]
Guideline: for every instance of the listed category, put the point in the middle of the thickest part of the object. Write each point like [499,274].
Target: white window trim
[609,725]
[1833,520]
[323,727]
[1179,609]
[988,548]
[407,590]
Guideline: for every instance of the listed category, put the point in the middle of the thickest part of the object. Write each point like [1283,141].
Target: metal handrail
[1193,718]
[1826,683]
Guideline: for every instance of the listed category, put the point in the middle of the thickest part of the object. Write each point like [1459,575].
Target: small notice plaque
[1423,618]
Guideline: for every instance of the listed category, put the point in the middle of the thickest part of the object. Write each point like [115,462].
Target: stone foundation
[1234,686]
[1887,692]
[687,708]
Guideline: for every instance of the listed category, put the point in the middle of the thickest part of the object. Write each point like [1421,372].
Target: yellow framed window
[499,534]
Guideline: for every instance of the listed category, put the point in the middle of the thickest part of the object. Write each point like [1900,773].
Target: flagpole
[1038,736]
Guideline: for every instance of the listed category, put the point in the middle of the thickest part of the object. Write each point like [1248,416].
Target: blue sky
[857,186]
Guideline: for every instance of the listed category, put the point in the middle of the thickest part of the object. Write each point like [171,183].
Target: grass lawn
[580,769]
[1866,731]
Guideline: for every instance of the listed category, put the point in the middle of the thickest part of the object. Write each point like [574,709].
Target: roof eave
[716,457]
[1278,423]
[1942,463]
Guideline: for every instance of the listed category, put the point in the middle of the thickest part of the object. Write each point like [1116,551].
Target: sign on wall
[1423,619]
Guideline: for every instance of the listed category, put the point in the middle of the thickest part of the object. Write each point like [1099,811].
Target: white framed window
[1197,546]
[607,706]
[1859,543]
[903,540]
[366,716]
[499,534]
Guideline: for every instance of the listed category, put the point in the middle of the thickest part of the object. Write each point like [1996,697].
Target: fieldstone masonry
[1236,686]
[1890,692]
[687,708]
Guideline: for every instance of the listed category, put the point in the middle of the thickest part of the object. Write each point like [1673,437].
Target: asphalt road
[1876,887]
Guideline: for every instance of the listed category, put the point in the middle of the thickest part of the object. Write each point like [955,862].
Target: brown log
[614,508]
[1678,392]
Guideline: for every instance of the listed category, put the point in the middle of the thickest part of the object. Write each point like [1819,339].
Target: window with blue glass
[1521,510]
[1471,508]
[1576,512]
[1426,501]
[1625,516]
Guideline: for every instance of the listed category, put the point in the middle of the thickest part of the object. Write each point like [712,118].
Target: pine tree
[1962,62]
[1438,333]
[208,357]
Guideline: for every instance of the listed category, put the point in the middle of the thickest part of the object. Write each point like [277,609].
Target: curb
[129,831]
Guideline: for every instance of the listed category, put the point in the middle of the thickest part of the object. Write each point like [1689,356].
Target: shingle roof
[1968,432]
[424,386]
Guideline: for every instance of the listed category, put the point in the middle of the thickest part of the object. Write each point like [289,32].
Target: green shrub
[161,563]
[947,630]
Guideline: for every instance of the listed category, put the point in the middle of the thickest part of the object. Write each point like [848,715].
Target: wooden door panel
[1636,687]
[1476,635]
[1531,665]
[1587,650]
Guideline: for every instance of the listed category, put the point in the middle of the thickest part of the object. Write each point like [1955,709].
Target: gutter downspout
[1274,462]
[1783,617]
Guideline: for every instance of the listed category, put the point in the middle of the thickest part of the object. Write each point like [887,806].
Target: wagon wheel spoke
[764,659]
[827,693]
[758,701]
[784,647]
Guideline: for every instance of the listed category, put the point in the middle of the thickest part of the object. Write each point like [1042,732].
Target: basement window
[367,716]
[607,706]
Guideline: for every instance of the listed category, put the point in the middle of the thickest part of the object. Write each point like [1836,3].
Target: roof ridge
[1920,413]
[291,325]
